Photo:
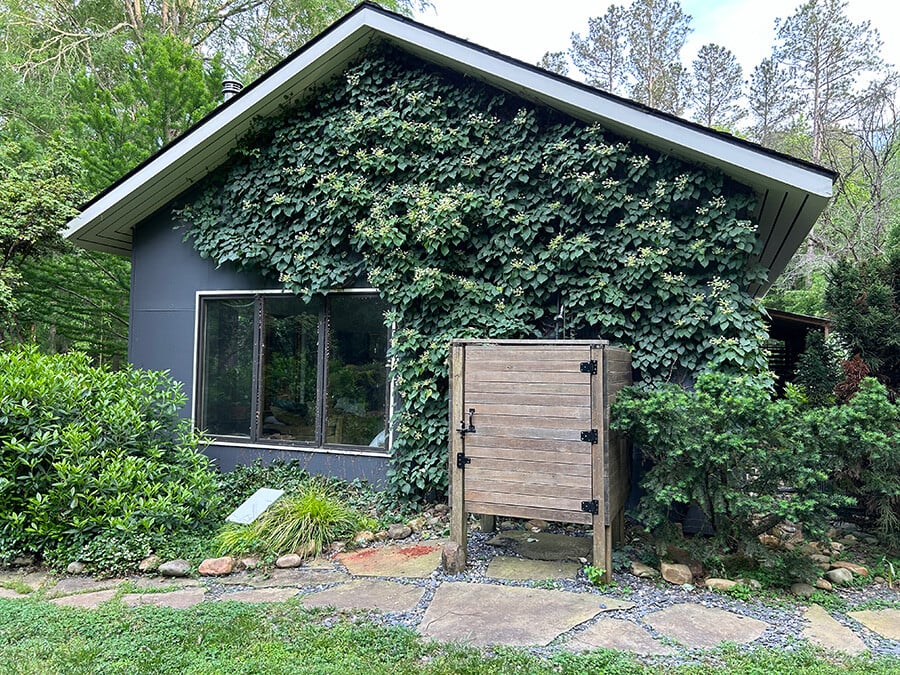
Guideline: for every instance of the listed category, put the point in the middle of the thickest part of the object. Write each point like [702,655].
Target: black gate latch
[470,429]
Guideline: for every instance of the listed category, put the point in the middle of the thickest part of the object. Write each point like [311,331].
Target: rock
[820,559]
[216,567]
[642,571]
[879,580]
[802,590]
[364,537]
[249,563]
[836,547]
[434,521]
[769,541]
[381,535]
[848,540]
[824,585]
[337,546]
[676,574]
[398,531]
[26,560]
[288,561]
[76,567]
[416,524]
[752,583]
[175,568]
[856,569]
[451,558]
[149,564]
[441,509]
[537,525]
[839,576]
[810,548]
[720,584]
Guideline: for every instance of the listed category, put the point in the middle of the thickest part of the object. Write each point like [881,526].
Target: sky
[526,29]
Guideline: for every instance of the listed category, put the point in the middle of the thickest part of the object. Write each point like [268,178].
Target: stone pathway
[501,599]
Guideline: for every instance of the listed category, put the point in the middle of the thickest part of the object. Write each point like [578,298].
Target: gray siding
[166,274]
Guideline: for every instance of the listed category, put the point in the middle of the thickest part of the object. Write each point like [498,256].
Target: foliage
[717,87]
[729,448]
[305,522]
[862,299]
[862,440]
[595,575]
[477,215]
[93,460]
[806,298]
[818,369]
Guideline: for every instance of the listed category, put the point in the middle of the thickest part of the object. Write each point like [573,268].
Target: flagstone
[544,545]
[485,614]
[298,577]
[885,622]
[73,585]
[85,600]
[699,627]
[414,562]
[825,631]
[618,634]
[521,569]
[175,599]
[9,594]
[261,595]
[383,596]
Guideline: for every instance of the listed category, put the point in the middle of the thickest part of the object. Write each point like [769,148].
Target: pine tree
[601,54]
[718,81]
[772,103]
[555,62]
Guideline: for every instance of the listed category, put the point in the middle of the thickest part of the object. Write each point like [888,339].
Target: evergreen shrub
[95,465]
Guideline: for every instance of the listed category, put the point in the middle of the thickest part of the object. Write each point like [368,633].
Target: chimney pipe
[230,88]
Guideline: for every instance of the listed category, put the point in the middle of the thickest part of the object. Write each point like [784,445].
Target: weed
[741,592]
[595,575]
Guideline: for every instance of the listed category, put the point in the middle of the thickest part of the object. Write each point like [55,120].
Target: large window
[275,369]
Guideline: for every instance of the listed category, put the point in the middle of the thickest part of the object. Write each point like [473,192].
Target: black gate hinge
[590,436]
[588,367]
[592,507]
[462,460]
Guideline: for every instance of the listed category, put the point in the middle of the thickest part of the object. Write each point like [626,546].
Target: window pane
[227,368]
[291,351]
[357,384]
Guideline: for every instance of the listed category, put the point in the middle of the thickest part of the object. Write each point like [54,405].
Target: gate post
[458,531]
[602,550]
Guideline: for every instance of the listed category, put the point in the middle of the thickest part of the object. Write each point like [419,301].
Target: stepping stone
[261,595]
[823,630]
[72,585]
[168,583]
[176,599]
[619,635]
[86,600]
[297,577]
[520,569]
[409,562]
[885,622]
[9,594]
[484,614]
[34,580]
[383,596]
[699,627]
[544,545]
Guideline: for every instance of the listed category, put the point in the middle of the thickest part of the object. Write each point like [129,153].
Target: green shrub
[860,442]
[818,369]
[731,449]
[90,456]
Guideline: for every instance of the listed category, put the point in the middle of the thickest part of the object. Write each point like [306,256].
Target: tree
[772,103]
[827,54]
[637,51]
[718,81]
[555,62]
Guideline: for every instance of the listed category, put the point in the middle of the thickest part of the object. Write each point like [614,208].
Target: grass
[229,637]
[15,585]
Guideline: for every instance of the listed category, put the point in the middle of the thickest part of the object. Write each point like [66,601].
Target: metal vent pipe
[230,88]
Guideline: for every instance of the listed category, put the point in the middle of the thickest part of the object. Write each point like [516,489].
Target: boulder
[216,567]
[856,569]
[676,574]
[752,583]
[363,538]
[820,559]
[149,564]
[452,558]
[720,584]
[398,531]
[175,568]
[839,576]
[802,590]
[288,561]
[76,567]
[823,585]
[642,571]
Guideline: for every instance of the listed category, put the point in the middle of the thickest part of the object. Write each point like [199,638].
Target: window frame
[256,439]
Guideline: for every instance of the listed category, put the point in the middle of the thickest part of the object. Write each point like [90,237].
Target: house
[482,196]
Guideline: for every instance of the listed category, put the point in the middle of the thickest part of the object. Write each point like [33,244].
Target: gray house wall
[166,274]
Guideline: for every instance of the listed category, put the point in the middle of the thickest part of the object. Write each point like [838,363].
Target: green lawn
[37,637]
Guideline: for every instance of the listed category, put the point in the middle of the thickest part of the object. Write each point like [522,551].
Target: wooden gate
[530,435]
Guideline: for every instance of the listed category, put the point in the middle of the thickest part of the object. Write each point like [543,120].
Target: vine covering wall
[477,214]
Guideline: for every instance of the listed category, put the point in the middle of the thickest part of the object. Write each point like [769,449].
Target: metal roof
[792,192]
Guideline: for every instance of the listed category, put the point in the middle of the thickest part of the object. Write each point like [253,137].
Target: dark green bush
[860,443]
[744,459]
[90,456]
[819,369]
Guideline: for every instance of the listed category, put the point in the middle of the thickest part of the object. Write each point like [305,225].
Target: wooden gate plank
[509,511]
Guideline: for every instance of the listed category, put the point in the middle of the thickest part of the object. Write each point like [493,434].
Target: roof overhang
[792,193]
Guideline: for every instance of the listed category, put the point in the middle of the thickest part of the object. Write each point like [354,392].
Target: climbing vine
[477,214]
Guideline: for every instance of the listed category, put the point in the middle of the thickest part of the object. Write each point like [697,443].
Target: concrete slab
[620,635]
[410,562]
[544,545]
[254,506]
[699,627]
[382,596]
[85,600]
[885,622]
[823,630]
[72,585]
[176,599]
[484,614]
[297,577]
[260,595]
[521,569]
